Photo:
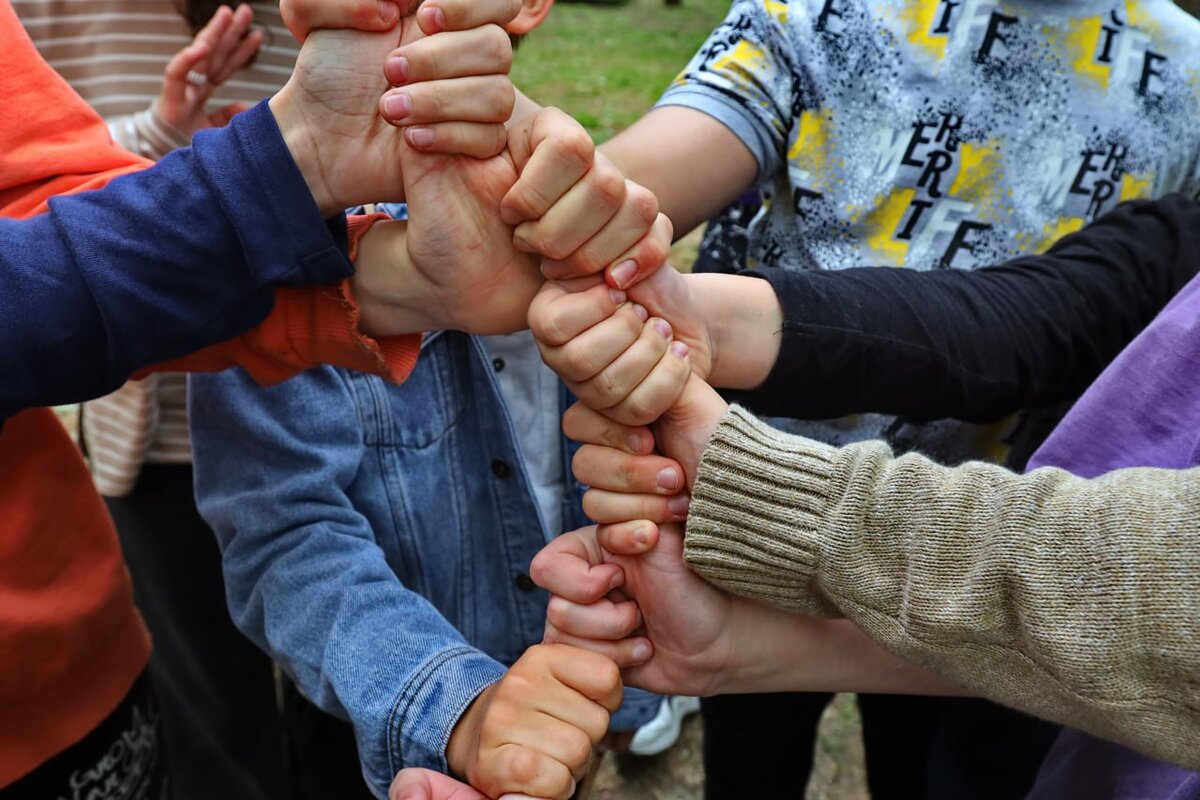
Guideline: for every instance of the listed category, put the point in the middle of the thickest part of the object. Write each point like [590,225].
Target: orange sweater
[71,642]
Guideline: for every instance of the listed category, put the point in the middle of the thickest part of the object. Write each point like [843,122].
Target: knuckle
[609,674]
[553,248]
[558,613]
[586,260]
[499,140]
[498,49]
[604,390]
[643,202]
[524,765]
[573,421]
[593,506]
[637,410]
[609,183]
[547,327]
[599,722]
[577,749]
[654,251]
[578,361]
[500,97]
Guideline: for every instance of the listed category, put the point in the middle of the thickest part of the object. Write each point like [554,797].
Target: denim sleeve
[305,578]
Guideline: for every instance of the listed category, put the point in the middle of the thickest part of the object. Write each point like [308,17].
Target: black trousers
[221,724]
[230,730]
[122,758]
[917,748]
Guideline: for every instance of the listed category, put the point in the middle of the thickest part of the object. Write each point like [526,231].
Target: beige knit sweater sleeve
[1074,600]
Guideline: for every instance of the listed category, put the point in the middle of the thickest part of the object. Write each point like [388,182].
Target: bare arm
[694,165]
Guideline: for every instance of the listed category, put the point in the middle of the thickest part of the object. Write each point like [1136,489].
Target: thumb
[424,784]
[683,432]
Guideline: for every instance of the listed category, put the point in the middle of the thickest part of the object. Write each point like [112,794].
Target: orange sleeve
[51,141]
[307,328]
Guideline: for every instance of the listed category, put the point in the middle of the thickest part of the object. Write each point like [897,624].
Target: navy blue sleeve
[157,264]
[979,345]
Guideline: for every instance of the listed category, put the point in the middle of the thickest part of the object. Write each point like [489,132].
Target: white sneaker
[661,732]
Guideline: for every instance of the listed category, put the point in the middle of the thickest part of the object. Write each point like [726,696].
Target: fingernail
[623,273]
[396,70]
[521,244]
[634,440]
[420,138]
[435,18]
[387,11]
[668,478]
[641,652]
[397,106]
[641,536]
[618,297]
[663,327]
[679,349]
[641,312]
[678,505]
[615,581]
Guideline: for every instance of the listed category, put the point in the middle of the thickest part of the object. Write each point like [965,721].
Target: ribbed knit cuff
[758,508]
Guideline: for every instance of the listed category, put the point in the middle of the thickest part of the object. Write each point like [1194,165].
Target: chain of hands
[407,102]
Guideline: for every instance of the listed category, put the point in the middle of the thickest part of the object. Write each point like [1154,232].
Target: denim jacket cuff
[430,706]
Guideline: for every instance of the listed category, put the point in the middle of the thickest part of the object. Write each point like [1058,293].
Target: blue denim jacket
[377,540]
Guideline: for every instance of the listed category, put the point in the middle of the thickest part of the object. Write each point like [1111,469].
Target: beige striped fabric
[113,52]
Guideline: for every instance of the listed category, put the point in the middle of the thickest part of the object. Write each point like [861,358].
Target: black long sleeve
[978,345]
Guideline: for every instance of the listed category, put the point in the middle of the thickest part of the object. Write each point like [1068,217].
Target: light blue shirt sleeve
[745,76]
[306,579]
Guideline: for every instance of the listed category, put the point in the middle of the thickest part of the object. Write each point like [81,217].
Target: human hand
[634,600]
[441,116]
[221,48]
[627,480]
[372,16]
[425,784]
[533,732]
[629,360]
[574,207]
[328,112]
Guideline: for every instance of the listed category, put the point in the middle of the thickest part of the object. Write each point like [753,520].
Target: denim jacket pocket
[432,399]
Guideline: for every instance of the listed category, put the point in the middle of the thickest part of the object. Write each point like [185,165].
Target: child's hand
[221,48]
[590,338]
[533,732]
[575,208]
[611,355]
[629,483]
[425,784]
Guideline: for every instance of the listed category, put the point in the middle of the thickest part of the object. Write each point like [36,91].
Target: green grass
[605,65]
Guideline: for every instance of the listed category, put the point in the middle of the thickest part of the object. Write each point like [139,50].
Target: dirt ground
[678,775]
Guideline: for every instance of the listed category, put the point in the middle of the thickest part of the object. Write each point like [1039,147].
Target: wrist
[745,325]
[464,739]
[390,293]
[301,138]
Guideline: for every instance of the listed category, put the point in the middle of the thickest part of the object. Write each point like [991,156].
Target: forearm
[977,345]
[158,264]
[1066,598]
[693,164]
[779,651]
